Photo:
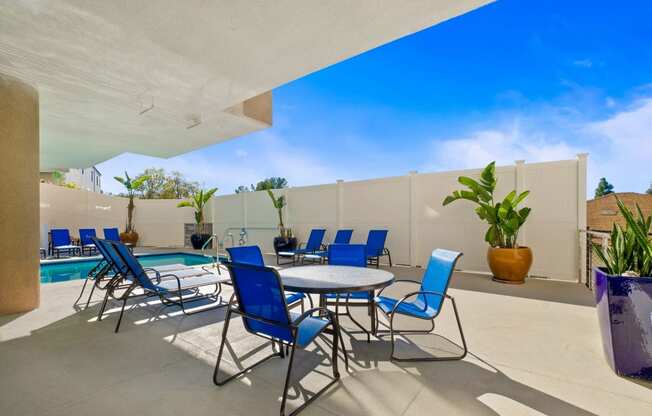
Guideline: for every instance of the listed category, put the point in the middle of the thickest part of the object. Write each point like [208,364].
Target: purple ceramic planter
[624,307]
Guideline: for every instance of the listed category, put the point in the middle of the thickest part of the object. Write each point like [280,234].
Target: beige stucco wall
[19,170]
[158,222]
[410,207]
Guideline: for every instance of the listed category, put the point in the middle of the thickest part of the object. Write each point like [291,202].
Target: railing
[243,233]
[593,238]
[213,237]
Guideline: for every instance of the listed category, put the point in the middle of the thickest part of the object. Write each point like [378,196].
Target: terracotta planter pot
[509,265]
[129,237]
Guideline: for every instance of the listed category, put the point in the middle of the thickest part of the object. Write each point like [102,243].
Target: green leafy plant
[132,186]
[505,218]
[278,203]
[198,201]
[630,249]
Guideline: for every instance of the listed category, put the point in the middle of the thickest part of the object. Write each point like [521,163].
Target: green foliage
[270,183]
[161,185]
[198,201]
[649,190]
[58,178]
[242,188]
[630,248]
[505,218]
[278,203]
[132,186]
[604,188]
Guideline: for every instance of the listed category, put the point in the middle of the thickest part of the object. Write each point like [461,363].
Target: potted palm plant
[130,236]
[285,241]
[198,202]
[623,293]
[508,261]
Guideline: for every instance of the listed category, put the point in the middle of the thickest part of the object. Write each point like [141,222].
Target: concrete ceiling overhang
[165,77]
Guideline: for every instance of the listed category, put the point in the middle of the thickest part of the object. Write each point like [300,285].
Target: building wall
[603,212]
[158,222]
[410,208]
[89,179]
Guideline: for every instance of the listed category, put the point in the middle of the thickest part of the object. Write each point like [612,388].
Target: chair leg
[287,380]
[90,296]
[122,311]
[453,358]
[389,256]
[81,293]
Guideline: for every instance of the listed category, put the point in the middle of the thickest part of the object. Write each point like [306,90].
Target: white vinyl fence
[410,207]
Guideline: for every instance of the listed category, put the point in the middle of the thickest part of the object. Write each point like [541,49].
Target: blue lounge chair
[112,234]
[313,245]
[343,237]
[259,300]
[376,247]
[253,256]
[176,288]
[61,243]
[86,242]
[426,303]
[351,255]
[106,270]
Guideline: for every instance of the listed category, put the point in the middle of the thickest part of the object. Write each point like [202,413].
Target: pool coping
[98,257]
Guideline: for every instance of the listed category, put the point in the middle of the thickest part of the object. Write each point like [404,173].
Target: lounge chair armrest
[399,281]
[171,275]
[156,272]
[419,292]
[309,312]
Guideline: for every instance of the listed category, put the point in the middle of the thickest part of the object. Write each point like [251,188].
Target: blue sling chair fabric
[425,303]
[354,255]
[174,288]
[313,245]
[60,240]
[111,234]
[260,300]
[343,237]
[253,256]
[376,247]
[85,240]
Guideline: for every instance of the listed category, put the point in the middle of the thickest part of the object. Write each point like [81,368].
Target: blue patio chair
[253,256]
[175,288]
[354,255]
[60,240]
[111,234]
[427,302]
[313,245]
[376,247]
[343,237]
[260,301]
[86,242]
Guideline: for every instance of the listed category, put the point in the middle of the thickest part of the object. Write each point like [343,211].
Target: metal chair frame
[294,327]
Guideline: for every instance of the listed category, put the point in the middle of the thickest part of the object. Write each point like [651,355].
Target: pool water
[65,270]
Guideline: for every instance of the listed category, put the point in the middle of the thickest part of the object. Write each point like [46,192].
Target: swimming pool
[64,270]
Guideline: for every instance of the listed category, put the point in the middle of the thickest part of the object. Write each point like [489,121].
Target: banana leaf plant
[504,217]
[630,249]
[132,186]
[198,201]
[278,203]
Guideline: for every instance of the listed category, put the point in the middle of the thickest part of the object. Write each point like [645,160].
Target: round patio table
[325,279]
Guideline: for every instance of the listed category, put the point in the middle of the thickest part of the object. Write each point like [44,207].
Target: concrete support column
[19,210]
[414,230]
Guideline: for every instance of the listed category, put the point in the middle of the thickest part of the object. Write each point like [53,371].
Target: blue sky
[513,80]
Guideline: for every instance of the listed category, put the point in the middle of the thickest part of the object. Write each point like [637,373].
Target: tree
[242,188]
[154,183]
[132,186]
[176,187]
[649,190]
[270,183]
[604,188]
[161,185]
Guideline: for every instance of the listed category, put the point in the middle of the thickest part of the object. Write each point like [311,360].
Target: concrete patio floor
[534,349]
